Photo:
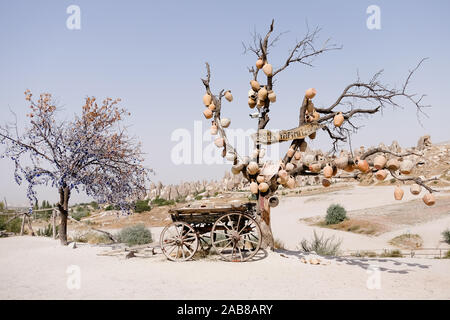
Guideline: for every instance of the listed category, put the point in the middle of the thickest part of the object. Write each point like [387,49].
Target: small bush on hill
[446,235]
[142,206]
[335,214]
[134,235]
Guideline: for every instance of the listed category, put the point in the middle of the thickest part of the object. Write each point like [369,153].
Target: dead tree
[358,98]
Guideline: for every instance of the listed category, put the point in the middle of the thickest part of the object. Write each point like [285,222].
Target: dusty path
[35,268]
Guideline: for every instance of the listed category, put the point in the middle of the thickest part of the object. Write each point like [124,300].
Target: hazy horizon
[151,54]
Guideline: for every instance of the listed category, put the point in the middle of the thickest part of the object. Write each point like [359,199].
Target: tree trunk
[264,223]
[54,223]
[30,225]
[63,206]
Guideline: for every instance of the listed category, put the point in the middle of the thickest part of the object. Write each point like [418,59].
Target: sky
[151,54]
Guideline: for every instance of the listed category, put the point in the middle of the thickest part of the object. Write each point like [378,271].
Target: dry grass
[359,226]
[278,244]
[407,241]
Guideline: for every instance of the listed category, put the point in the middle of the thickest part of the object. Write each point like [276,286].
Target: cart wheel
[179,241]
[236,237]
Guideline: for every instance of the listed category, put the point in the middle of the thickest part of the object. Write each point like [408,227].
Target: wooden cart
[231,230]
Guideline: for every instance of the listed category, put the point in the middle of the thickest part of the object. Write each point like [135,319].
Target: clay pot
[290,152]
[268,70]
[255,85]
[254,154]
[290,183]
[379,162]
[338,120]
[312,136]
[415,189]
[273,201]
[398,193]
[282,174]
[207,99]
[406,166]
[260,103]
[308,159]
[225,122]
[290,166]
[213,129]
[310,93]
[297,155]
[303,146]
[363,166]
[263,187]
[219,142]
[252,94]
[429,199]
[393,164]
[262,153]
[328,171]
[228,96]
[235,169]
[259,63]
[315,167]
[349,168]
[207,113]
[272,96]
[341,162]
[326,182]
[212,107]
[251,103]
[381,174]
[230,156]
[260,178]
[254,188]
[262,94]
[252,168]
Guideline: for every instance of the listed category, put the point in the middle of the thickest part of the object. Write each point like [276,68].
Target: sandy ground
[37,268]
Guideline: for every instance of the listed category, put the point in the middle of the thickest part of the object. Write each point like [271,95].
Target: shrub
[94,205]
[278,244]
[391,254]
[142,206]
[12,226]
[47,231]
[446,235]
[134,235]
[198,197]
[80,213]
[162,202]
[322,246]
[335,214]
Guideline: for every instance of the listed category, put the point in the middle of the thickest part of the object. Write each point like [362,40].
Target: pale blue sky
[152,53]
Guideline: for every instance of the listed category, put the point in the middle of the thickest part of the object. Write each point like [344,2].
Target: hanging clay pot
[262,153]
[255,85]
[252,94]
[272,96]
[338,120]
[273,201]
[341,162]
[290,167]
[415,189]
[393,164]
[252,168]
[315,167]
[268,70]
[263,187]
[312,136]
[260,103]
[303,146]
[297,155]
[254,188]
[326,182]
[260,178]
[328,171]
[225,122]
[207,99]
[262,94]
[228,96]
[213,129]
[308,159]
[282,174]
[230,156]
[235,169]
[398,193]
[349,168]
[259,63]
[254,153]
[381,174]
[290,183]
[310,93]
[379,162]
[219,142]
[290,152]
[406,166]
[429,199]
[363,166]
[251,103]
[207,113]
[212,107]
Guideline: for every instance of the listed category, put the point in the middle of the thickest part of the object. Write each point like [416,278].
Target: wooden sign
[265,136]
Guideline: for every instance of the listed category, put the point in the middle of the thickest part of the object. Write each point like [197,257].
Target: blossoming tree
[336,120]
[92,153]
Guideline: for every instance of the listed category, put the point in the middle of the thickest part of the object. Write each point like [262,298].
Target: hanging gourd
[260,102]
[379,162]
[282,174]
[406,166]
[263,187]
[326,183]
[225,122]
[393,164]
[381,174]
[328,171]
[254,188]
[212,107]
[260,178]
[290,152]
[228,96]
[312,136]
[255,85]
[262,94]
[398,193]
[310,93]
[290,183]
[213,129]
[251,103]
[315,167]
[207,113]
[363,166]
[349,168]
[341,162]
[252,168]
[219,142]
[429,199]
[338,120]
[262,153]
[415,189]
[230,156]
[254,153]
[268,70]
[290,166]
[207,99]
[259,63]
[303,146]
[272,96]
[297,155]
[235,169]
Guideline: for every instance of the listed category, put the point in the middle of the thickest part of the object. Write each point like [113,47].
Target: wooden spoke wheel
[236,237]
[179,241]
